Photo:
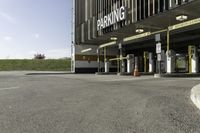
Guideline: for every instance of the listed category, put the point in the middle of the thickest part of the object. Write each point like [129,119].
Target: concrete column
[98,59]
[193,59]
[146,54]
[151,63]
[136,62]
[122,65]
[106,66]
[194,64]
[130,63]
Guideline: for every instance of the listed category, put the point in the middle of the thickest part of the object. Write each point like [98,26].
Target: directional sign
[158,48]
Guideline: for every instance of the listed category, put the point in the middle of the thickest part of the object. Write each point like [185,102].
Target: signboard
[158,48]
[157,38]
[159,57]
[120,45]
[112,18]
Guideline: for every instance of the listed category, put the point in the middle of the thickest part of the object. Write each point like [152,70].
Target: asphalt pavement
[71,103]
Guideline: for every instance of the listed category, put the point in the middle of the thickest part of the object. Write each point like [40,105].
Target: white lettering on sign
[112,18]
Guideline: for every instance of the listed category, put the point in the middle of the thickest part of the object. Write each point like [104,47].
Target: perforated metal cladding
[87,12]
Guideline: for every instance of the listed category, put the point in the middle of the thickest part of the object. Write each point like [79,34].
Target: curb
[195,95]
[181,75]
[49,73]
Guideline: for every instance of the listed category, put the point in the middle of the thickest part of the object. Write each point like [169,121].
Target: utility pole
[73,36]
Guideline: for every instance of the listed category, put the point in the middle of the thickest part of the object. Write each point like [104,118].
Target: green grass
[37,65]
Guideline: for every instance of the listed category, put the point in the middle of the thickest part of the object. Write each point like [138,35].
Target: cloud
[37,36]
[7,17]
[8,38]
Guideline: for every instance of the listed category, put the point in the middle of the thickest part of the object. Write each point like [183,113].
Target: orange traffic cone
[136,72]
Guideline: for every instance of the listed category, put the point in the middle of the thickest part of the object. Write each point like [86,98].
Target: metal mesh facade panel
[87,12]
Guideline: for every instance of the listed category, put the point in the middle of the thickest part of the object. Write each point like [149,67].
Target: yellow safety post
[168,40]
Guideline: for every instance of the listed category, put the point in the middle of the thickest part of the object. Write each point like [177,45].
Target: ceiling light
[181,17]
[86,50]
[139,30]
[113,38]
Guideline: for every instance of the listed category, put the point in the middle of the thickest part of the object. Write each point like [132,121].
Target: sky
[28,27]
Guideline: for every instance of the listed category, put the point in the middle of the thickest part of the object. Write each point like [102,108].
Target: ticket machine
[130,63]
[171,59]
[193,59]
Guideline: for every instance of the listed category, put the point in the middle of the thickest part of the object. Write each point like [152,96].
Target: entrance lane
[82,104]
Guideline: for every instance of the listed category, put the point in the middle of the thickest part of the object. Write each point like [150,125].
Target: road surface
[96,104]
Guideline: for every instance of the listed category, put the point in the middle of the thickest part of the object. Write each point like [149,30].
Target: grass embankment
[37,65]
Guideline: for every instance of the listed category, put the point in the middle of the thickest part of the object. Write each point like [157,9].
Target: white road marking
[129,79]
[9,88]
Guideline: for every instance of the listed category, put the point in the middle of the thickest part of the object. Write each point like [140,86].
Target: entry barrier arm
[115,59]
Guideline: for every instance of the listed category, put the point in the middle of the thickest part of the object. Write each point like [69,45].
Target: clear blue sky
[28,27]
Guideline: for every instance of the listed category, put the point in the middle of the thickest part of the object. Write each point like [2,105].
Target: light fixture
[107,44]
[139,30]
[113,38]
[86,50]
[181,17]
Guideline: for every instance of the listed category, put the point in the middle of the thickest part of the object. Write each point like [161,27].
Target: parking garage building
[154,36]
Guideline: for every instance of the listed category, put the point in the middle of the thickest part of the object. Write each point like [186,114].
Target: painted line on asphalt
[9,88]
[195,95]
[128,79]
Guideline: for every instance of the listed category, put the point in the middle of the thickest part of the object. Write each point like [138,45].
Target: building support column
[170,56]
[130,63]
[98,59]
[193,59]
[146,57]
[106,62]
[151,63]
[121,62]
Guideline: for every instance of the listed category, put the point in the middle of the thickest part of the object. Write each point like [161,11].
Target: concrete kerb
[195,95]
[49,73]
